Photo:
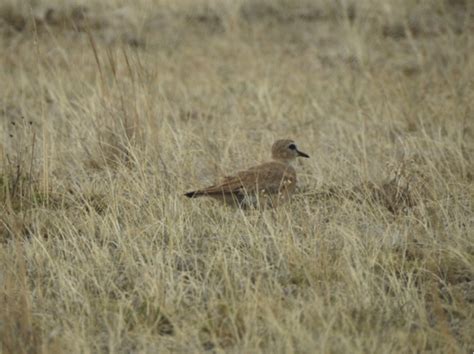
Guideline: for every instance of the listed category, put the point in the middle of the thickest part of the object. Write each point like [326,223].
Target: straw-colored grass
[111,110]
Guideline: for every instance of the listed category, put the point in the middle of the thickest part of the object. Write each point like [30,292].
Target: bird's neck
[286,162]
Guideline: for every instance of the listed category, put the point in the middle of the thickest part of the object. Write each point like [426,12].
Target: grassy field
[109,112]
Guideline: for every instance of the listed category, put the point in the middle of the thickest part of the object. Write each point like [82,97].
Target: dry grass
[110,112]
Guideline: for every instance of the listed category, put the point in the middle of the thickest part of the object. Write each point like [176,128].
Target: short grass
[111,110]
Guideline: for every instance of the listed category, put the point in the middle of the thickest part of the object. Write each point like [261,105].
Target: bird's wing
[230,185]
[268,177]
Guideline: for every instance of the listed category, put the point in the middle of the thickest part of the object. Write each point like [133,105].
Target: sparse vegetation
[110,112]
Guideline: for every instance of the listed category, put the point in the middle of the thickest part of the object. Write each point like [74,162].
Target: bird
[266,185]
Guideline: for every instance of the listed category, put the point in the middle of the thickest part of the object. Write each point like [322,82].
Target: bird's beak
[302,154]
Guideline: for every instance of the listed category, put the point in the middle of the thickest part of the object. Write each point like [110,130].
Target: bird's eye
[292,147]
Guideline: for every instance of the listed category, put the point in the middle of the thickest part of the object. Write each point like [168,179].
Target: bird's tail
[194,194]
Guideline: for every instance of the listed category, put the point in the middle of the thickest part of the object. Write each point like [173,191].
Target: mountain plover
[267,184]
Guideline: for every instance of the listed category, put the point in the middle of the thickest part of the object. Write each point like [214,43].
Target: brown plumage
[267,184]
